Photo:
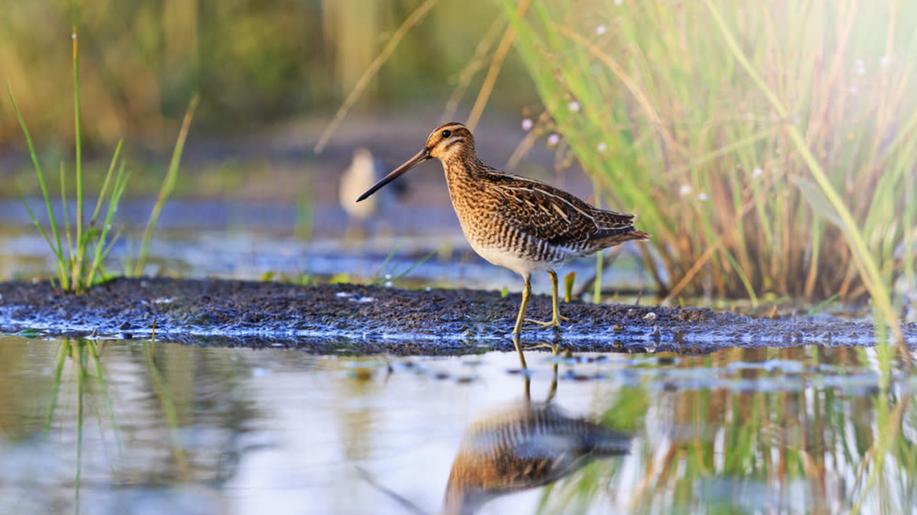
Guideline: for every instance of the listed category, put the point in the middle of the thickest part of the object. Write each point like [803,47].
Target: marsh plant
[766,146]
[81,245]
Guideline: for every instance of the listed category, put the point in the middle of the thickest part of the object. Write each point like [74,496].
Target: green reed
[167,187]
[763,144]
[79,246]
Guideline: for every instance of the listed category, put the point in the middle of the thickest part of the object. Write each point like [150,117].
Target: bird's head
[448,140]
[445,142]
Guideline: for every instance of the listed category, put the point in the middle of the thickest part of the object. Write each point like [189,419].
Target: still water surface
[115,427]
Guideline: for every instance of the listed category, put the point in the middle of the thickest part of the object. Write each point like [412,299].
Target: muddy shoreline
[371,319]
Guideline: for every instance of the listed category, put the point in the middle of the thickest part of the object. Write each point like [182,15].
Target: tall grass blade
[65,209]
[76,269]
[106,183]
[99,254]
[168,185]
[55,240]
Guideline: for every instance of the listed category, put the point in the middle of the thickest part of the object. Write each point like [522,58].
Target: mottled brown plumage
[514,222]
[523,447]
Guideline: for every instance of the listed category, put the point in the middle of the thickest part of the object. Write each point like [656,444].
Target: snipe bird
[514,222]
[526,446]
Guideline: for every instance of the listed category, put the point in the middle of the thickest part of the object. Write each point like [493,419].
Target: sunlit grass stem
[77,267]
[54,240]
[168,186]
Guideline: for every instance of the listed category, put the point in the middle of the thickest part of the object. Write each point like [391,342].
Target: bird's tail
[617,236]
[618,228]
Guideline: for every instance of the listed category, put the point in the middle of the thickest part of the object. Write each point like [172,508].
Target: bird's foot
[540,346]
[554,322]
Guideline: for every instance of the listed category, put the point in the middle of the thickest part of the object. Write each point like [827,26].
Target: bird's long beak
[418,158]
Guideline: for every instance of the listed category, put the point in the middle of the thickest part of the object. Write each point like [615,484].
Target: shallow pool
[132,427]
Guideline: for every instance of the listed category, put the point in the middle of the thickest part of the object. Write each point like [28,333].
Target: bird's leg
[526,291]
[522,364]
[553,390]
[556,317]
[555,303]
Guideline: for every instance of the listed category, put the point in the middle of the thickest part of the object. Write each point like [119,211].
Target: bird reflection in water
[527,445]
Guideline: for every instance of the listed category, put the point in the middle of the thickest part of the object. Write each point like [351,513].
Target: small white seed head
[685,189]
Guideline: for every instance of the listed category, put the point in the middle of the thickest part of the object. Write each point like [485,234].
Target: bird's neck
[461,169]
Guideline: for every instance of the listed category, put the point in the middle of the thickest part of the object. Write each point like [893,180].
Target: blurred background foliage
[255,63]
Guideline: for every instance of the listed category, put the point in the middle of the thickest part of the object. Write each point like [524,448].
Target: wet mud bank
[369,319]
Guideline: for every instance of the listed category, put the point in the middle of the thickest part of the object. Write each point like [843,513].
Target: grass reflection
[799,430]
[85,366]
[167,405]
[80,363]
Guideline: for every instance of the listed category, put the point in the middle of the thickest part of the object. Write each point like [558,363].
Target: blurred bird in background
[364,171]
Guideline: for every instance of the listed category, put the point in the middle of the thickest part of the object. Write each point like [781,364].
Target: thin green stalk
[105,184]
[380,272]
[55,243]
[168,185]
[34,218]
[117,193]
[414,265]
[65,208]
[77,266]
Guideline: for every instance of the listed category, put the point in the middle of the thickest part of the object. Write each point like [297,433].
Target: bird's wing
[553,215]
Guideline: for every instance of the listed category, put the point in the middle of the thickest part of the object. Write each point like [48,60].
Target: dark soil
[367,319]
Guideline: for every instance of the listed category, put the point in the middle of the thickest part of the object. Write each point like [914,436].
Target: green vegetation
[765,145]
[80,249]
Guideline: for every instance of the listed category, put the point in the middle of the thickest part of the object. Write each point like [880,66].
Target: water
[129,427]
[408,246]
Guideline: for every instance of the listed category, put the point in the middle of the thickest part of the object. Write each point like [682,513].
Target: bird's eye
[447,133]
